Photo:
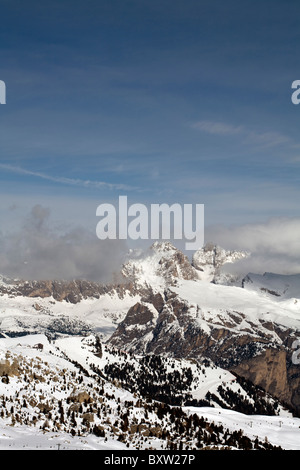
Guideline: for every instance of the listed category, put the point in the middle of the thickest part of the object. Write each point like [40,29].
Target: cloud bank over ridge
[39,252]
[274,245]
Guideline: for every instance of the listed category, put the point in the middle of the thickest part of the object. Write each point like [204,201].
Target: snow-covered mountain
[221,336]
[162,265]
[211,258]
[188,316]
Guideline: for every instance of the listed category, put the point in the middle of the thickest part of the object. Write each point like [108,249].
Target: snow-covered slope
[19,314]
[168,308]
[217,302]
[52,396]
[274,285]
[36,391]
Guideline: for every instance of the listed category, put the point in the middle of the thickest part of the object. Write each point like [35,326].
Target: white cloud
[263,139]
[217,128]
[274,245]
[36,251]
[65,180]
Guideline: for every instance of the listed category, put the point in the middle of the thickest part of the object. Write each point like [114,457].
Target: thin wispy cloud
[217,128]
[264,139]
[67,181]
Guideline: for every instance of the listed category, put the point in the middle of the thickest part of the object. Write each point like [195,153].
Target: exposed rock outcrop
[261,354]
[69,291]
[210,259]
[163,263]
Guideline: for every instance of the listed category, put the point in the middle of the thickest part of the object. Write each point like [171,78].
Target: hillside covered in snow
[62,394]
[174,355]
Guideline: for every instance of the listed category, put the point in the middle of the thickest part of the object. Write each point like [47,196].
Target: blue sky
[163,101]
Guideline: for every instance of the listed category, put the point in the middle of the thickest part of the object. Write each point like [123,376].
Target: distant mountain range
[231,340]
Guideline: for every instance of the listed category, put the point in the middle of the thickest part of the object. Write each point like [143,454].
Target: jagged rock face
[174,330]
[69,291]
[209,260]
[140,320]
[164,263]
[269,370]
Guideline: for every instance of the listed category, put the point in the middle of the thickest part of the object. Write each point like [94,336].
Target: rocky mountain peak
[163,247]
[209,260]
[163,264]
